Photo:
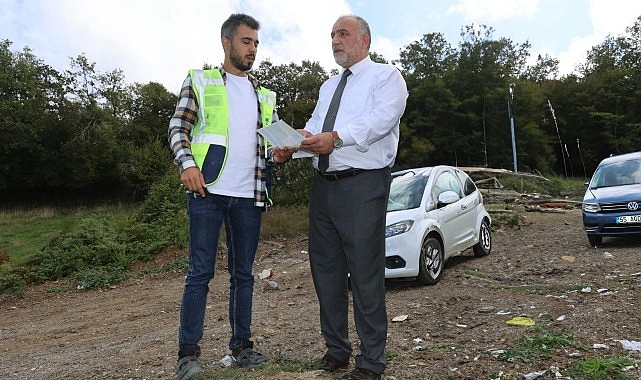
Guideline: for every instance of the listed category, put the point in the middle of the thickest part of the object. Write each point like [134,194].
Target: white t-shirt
[237,178]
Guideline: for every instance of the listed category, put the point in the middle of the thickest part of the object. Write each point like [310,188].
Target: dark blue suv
[612,201]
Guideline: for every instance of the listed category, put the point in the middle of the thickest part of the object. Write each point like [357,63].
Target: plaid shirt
[185,118]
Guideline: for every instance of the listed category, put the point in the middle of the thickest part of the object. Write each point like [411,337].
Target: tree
[31,98]
[546,68]
[296,88]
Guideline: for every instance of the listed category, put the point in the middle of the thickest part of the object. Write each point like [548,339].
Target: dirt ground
[543,269]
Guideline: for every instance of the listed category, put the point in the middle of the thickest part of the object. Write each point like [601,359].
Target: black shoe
[362,374]
[330,364]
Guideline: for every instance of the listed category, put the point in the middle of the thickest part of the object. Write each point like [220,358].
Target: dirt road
[543,270]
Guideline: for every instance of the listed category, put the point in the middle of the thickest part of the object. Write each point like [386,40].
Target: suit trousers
[347,238]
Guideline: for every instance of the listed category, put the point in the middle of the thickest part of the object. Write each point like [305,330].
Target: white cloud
[608,18]
[494,10]
[293,31]
[613,16]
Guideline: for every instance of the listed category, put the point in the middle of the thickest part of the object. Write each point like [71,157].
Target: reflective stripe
[208,138]
[268,98]
[201,79]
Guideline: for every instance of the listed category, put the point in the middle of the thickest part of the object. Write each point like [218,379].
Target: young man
[223,167]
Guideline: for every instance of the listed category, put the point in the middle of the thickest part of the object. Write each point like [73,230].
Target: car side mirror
[447,197]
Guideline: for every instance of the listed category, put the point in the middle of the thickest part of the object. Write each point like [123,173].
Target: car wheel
[484,246]
[595,240]
[431,262]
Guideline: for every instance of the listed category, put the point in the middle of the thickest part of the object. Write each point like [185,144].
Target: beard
[341,58]
[237,61]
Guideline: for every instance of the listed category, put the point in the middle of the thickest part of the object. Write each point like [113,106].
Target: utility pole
[509,111]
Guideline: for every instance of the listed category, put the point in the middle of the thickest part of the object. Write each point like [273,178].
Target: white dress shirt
[368,116]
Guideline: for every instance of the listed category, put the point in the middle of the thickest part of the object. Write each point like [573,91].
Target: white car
[433,213]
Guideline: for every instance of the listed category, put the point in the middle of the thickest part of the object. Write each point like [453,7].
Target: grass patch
[26,232]
[538,343]
[284,221]
[556,186]
[505,215]
[537,288]
[180,265]
[271,369]
[612,367]
[475,273]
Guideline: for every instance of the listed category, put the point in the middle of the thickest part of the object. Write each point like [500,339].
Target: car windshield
[617,174]
[406,192]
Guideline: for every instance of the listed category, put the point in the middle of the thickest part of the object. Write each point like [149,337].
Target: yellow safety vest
[210,136]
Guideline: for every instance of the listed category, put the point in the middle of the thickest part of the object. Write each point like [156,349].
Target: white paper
[282,135]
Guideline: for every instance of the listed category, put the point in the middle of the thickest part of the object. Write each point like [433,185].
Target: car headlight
[398,228]
[591,207]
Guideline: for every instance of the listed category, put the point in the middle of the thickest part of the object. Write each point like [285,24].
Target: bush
[12,283]
[162,219]
[292,182]
[101,277]
[97,243]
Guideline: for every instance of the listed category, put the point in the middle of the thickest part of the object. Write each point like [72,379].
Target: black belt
[333,176]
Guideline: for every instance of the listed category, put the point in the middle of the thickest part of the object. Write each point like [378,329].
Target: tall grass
[25,232]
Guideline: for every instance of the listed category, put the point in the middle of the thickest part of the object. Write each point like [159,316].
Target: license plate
[628,219]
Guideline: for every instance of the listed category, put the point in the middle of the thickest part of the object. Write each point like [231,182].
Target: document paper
[282,135]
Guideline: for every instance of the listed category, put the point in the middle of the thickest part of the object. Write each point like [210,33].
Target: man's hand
[322,143]
[281,155]
[193,180]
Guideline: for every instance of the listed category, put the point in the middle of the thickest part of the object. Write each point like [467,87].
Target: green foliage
[99,277]
[272,369]
[181,264]
[81,133]
[11,282]
[63,288]
[161,220]
[557,186]
[505,215]
[539,343]
[97,243]
[291,182]
[611,368]
[296,88]
[144,165]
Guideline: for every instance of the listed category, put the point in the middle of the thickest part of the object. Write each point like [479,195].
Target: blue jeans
[242,227]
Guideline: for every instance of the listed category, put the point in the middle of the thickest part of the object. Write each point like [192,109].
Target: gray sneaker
[248,358]
[188,367]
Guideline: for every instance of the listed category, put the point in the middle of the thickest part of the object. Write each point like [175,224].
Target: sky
[160,40]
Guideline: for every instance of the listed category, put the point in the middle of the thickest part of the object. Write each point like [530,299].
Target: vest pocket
[213,163]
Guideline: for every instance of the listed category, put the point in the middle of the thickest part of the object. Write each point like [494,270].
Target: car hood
[613,194]
[400,215]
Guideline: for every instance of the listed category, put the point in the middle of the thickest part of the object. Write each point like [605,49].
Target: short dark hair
[231,24]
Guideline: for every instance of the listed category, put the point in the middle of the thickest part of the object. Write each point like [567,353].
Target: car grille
[622,229]
[617,207]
